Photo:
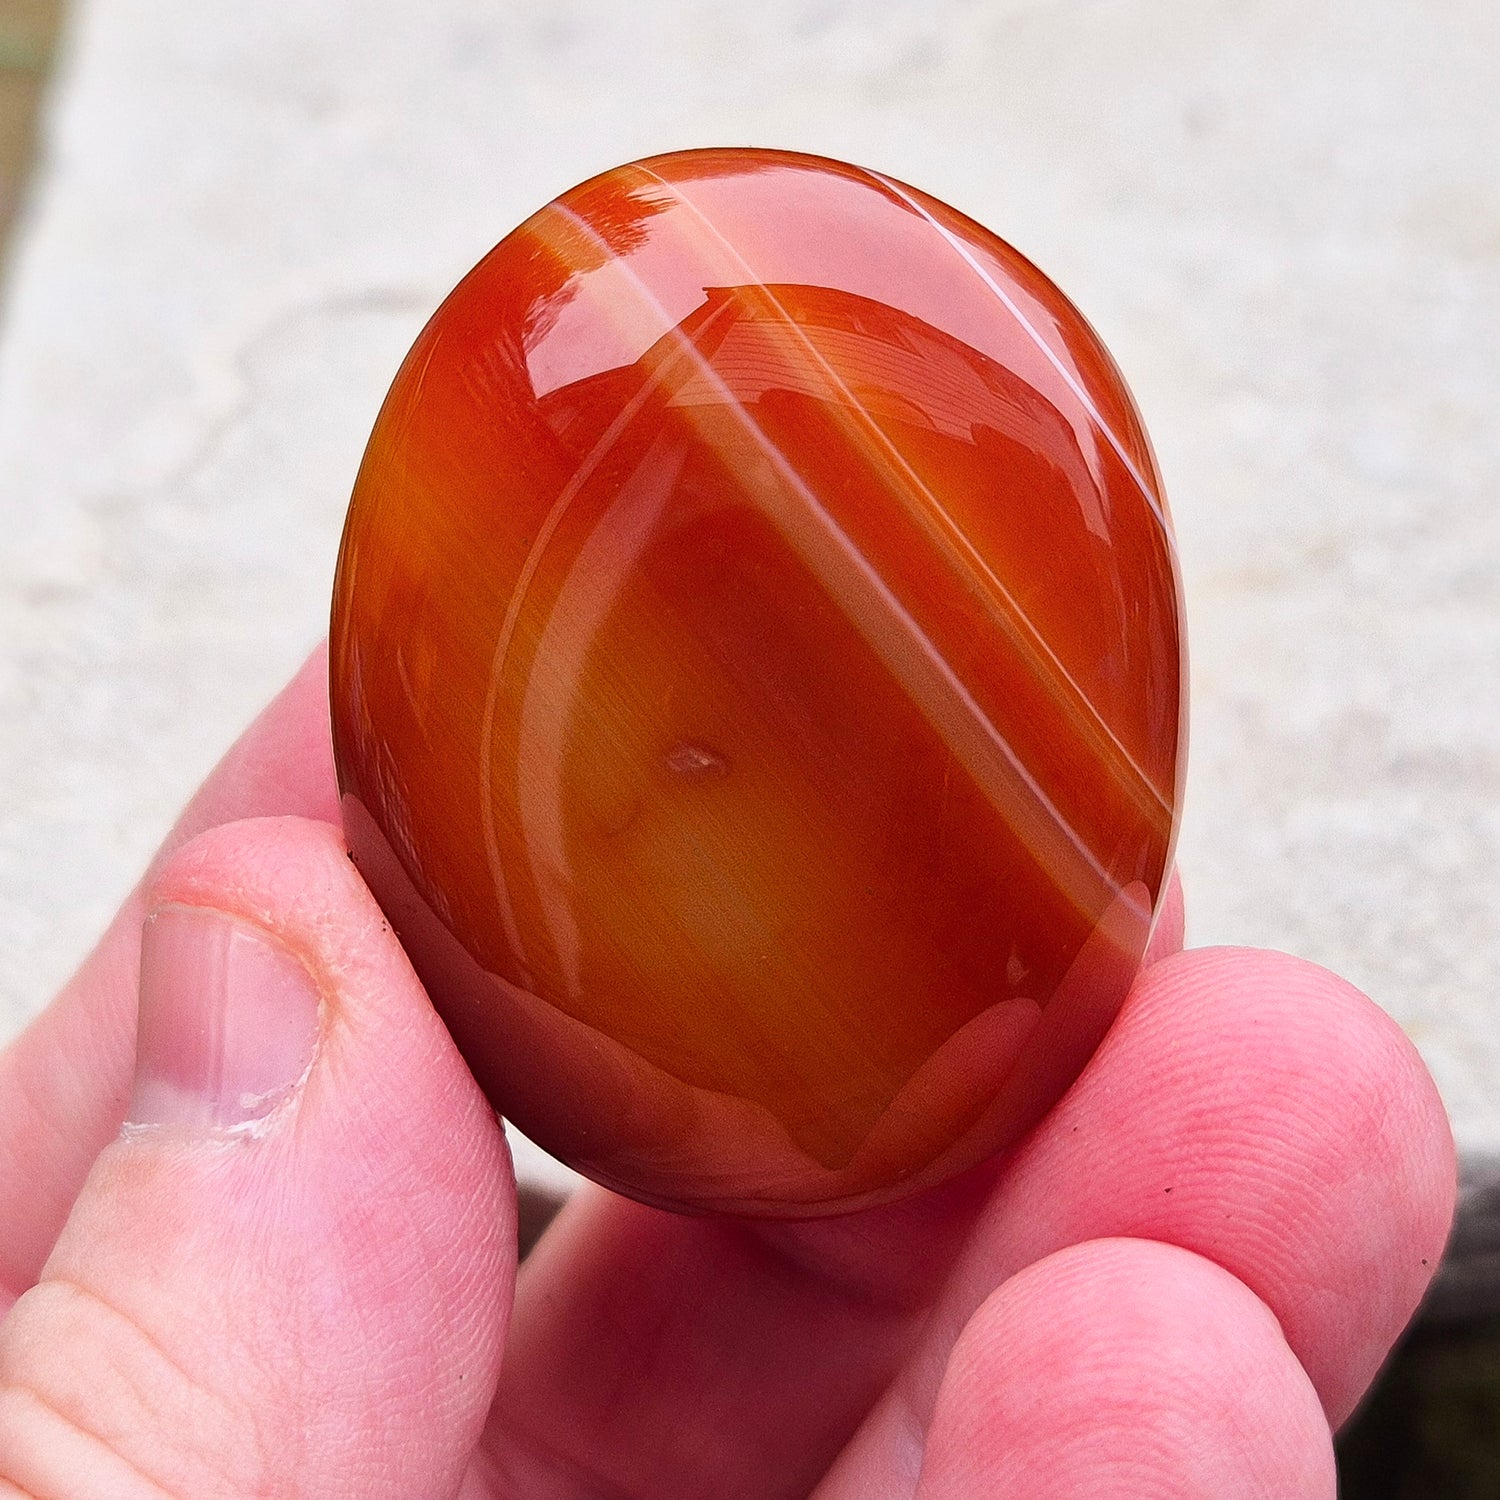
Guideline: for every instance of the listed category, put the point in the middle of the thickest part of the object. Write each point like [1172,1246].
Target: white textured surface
[1284,217]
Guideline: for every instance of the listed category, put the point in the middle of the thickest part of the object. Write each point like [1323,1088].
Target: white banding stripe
[908,654]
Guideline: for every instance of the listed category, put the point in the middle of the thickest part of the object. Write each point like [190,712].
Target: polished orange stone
[758,682]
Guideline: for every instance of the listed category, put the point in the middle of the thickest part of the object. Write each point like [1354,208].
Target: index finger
[65,1082]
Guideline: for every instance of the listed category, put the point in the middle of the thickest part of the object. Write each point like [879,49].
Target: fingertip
[67,1078]
[383,1051]
[268,868]
[1310,1048]
[294,877]
[1125,1367]
[354,1237]
[1261,1111]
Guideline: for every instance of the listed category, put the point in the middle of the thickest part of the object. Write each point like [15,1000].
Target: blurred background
[223,226]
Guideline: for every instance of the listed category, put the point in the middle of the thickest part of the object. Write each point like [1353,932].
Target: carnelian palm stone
[758,682]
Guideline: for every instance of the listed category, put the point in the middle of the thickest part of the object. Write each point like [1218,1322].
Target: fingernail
[228,1021]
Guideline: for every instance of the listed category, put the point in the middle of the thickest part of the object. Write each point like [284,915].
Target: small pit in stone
[694,762]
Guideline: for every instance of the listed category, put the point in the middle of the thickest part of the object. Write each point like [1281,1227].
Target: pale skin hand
[1172,1288]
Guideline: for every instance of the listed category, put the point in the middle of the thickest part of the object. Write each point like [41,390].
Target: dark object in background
[1430,1429]
[536,1207]
[28,36]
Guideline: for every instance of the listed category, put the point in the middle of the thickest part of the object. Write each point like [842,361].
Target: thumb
[290,1275]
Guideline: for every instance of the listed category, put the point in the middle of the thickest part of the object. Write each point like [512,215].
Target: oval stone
[758,682]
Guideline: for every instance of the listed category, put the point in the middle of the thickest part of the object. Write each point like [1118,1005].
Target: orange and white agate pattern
[758,682]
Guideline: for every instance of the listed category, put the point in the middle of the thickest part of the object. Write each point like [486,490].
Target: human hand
[293,1274]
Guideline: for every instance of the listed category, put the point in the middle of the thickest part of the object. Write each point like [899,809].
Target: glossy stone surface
[758,685]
